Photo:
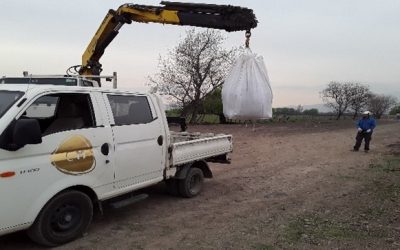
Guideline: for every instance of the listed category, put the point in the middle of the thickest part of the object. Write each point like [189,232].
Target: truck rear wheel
[192,184]
[64,218]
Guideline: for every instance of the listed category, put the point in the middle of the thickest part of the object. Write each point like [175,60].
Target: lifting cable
[247,35]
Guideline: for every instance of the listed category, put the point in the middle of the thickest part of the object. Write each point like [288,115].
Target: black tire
[64,218]
[192,184]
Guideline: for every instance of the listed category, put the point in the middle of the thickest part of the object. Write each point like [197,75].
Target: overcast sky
[305,43]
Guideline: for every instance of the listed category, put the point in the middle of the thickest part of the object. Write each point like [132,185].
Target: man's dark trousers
[359,138]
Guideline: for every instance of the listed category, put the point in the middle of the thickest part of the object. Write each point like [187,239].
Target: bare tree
[380,104]
[299,109]
[337,96]
[360,95]
[194,68]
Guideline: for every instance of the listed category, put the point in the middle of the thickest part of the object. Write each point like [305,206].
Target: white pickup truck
[66,149]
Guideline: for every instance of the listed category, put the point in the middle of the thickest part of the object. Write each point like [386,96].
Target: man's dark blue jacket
[368,123]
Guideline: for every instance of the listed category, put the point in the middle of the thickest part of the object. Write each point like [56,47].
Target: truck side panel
[190,151]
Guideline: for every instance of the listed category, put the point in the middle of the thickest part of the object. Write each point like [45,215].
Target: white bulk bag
[246,93]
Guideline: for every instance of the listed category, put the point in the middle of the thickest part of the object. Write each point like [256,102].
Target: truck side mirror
[27,131]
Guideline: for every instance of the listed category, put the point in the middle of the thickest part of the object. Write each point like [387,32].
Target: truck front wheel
[192,184]
[63,219]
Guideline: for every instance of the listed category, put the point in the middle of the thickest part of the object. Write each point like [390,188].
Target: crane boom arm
[225,17]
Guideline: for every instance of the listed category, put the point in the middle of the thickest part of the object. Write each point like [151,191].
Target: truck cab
[66,149]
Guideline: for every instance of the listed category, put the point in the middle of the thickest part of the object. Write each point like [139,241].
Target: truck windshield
[7,99]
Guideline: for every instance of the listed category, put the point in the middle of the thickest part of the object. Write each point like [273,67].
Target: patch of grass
[386,183]
[210,119]
[347,177]
[173,112]
[374,213]
[389,164]
[371,207]
[312,229]
[263,247]
[387,191]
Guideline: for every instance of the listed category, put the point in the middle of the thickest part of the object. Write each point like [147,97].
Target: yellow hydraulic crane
[225,17]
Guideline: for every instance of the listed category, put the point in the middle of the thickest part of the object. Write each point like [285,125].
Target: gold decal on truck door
[74,156]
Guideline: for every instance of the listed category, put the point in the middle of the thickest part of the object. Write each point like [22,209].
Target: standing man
[365,127]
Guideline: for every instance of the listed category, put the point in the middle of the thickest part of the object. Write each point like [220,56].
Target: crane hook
[248,35]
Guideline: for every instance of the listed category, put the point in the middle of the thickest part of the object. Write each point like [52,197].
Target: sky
[305,44]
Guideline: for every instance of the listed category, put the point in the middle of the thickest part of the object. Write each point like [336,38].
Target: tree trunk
[222,119]
[195,105]
[338,115]
[195,111]
[201,118]
[355,115]
[185,111]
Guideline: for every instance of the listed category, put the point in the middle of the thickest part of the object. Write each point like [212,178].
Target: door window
[62,112]
[7,99]
[129,109]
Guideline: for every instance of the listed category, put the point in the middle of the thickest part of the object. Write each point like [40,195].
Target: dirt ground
[290,186]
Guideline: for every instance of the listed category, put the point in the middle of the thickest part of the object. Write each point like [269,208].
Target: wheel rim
[195,184]
[66,218]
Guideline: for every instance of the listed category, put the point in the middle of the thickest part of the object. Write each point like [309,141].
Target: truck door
[138,138]
[73,148]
